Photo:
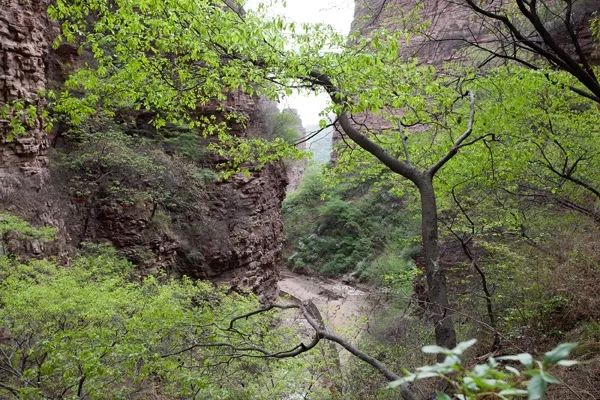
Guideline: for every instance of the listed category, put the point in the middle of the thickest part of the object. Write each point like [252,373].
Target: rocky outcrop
[25,37]
[296,169]
[241,232]
[244,231]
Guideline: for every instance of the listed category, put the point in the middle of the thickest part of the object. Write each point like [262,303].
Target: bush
[88,331]
[109,166]
[16,231]
[287,125]
[11,224]
[395,267]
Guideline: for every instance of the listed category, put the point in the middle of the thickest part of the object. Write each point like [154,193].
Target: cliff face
[23,49]
[452,24]
[236,234]
[450,30]
[25,34]
[238,229]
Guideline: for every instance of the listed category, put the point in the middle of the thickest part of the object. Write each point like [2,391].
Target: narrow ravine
[345,309]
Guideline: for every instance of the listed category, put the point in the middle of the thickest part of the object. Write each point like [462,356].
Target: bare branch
[260,311]
[459,142]
[311,135]
[311,314]
[567,173]
[546,45]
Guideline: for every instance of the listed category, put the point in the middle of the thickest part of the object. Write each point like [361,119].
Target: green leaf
[443,396]
[463,346]
[524,358]
[513,392]
[411,378]
[560,352]
[567,363]
[433,349]
[513,370]
[401,381]
[549,378]
[536,389]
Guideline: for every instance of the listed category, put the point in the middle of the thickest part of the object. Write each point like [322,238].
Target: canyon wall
[25,37]
[450,29]
[24,46]
[238,230]
[452,24]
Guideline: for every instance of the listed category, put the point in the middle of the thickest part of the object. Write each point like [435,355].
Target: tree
[423,180]
[183,63]
[381,86]
[546,29]
[556,135]
[93,331]
[536,34]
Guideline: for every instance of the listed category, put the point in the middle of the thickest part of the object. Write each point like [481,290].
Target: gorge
[161,237]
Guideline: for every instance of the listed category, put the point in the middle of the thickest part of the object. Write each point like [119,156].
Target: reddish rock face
[451,25]
[452,22]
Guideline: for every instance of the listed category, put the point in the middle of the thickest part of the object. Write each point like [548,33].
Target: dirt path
[345,309]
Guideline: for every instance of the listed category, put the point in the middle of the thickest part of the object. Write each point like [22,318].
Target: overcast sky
[337,13]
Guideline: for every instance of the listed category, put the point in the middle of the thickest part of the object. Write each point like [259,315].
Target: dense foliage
[189,82]
[107,165]
[91,331]
[490,379]
[350,228]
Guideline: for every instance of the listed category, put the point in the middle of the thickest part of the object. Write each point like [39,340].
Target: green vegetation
[287,125]
[320,145]
[91,331]
[499,164]
[107,164]
[15,229]
[137,65]
[485,379]
[22,117]
[350,229]
[13,225]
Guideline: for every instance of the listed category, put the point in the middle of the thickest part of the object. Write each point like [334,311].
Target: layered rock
[244,231]
[24,46]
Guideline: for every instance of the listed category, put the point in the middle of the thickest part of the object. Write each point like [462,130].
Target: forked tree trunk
[445,335]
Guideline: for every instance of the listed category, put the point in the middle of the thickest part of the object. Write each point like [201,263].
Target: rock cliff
[444,31]
[238,229]
[24,46]
[451,25]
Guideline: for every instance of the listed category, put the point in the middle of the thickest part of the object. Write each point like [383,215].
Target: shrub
[348,228]
[106,165]
[492,379]
[89,331]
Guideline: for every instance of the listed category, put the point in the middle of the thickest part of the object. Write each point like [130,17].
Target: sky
[337,13]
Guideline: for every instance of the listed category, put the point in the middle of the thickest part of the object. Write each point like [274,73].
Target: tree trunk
[445,335]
